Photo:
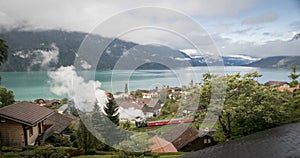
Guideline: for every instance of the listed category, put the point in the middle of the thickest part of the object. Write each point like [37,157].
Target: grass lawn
[162,155]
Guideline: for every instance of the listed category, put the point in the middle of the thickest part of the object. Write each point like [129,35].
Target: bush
[74,152]
[58,140]
[10,155]
[41,151]
[8,149]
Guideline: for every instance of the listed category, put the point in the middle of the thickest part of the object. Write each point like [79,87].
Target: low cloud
[85,65]
[44,59]
[265,18]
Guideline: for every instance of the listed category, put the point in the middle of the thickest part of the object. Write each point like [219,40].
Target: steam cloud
[66,81]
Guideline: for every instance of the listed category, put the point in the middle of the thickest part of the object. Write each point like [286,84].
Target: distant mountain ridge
[277,62]
[50,49]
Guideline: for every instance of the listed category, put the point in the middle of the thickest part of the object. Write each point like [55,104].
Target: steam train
[140,123]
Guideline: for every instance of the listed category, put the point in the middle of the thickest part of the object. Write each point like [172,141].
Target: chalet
[26,123]
[187,138]
[22,123]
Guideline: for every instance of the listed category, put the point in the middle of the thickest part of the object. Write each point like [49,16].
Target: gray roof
[60,121]
[25,112]
[279,142]
[181,135]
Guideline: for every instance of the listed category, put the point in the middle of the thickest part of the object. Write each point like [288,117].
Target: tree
[293,76]
[103,128]
[6,97]
[249,107]
[64,101]
[126,88]
[3,52]
[111,109]
[85,139]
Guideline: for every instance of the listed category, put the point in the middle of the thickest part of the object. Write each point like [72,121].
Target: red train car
[157,123]
[170,122]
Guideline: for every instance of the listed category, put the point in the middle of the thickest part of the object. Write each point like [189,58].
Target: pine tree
[111,109]
[293,76]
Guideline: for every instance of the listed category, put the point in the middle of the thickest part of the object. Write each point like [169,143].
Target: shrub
[74,152]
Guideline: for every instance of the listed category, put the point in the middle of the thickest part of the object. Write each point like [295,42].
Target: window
[2,120]
[208,140]
[30,131]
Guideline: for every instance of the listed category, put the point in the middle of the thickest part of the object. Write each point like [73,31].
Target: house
[40,102]
[53,102]
[279,142]
[150,107]
[290,89]
[22,123]
[118,95]
[276,84]
[160,145]
[25,123]
[59,121]
[187,138]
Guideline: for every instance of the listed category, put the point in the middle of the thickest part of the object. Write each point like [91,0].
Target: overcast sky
[253,27]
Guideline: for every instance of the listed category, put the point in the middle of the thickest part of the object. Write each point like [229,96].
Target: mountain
[277,62]
[50,49]
[296,37]
[229,60]
[238,60]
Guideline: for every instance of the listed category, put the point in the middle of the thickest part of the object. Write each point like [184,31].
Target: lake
[32,85]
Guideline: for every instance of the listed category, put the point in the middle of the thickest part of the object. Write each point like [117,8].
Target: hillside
[50,49]
[277,62]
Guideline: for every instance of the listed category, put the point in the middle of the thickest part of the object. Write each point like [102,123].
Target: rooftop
[181,135]
[60,121]
[25,112]
[279,142]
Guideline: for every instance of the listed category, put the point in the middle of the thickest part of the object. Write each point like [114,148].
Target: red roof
[161,145]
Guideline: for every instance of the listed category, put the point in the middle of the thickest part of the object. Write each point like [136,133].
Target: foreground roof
[25,112]
[161,145]
[181,135]
[282,141]
[59,121]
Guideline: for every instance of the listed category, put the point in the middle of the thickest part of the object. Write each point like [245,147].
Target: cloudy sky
[253,27]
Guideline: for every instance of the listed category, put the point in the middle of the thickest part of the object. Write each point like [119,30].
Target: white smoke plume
[66,81]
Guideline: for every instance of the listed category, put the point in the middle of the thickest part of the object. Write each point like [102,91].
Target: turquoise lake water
[32,85]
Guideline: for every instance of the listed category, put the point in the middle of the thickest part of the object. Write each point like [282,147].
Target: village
[54,122]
